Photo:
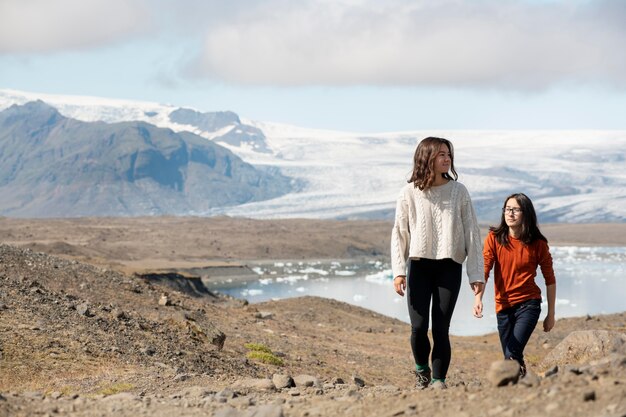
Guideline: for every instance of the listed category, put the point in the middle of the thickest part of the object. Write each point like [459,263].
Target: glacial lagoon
[590,280]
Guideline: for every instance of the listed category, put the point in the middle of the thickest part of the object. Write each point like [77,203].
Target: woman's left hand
[548,323]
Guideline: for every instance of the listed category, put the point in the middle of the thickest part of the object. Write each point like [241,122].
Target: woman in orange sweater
[515,249]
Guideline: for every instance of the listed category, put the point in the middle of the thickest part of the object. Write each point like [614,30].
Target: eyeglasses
[512,210]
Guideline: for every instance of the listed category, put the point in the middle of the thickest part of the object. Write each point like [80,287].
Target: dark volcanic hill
[53,166]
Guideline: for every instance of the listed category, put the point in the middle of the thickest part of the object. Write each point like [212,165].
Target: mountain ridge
[52,165]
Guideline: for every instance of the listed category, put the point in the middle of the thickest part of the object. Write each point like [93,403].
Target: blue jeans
[515,325]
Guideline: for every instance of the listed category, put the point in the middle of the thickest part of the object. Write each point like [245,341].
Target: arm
[545,262]
[488,261]
[473,242]
[400,238]
[478,301]
[548,322]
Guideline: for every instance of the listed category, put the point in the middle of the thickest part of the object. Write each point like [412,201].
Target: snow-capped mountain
[572,176]
[55,166]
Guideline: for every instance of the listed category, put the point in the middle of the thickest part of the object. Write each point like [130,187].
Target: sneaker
[438,385]
[422,378]
[522,370]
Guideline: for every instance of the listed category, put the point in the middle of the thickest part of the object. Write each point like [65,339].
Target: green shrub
[257,347]
[265,357]
[262,353]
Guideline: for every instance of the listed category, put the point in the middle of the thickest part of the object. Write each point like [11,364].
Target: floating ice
[251,292]
[313,271]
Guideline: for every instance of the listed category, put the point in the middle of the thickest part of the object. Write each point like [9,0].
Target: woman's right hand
[399,284]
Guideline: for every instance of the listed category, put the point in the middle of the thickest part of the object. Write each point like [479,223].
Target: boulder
[583,346]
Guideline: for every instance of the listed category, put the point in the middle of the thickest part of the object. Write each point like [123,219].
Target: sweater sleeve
[489,254]
[545,263]
[400,237]
[473,242]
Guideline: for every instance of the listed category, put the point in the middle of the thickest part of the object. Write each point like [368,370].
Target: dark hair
[530,231]
[424,159]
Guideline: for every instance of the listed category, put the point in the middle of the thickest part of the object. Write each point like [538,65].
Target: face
[443,159]
[512,213]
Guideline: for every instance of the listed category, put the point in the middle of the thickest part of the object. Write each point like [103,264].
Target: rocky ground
[89,340]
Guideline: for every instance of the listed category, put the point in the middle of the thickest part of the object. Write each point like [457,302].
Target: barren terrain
[81,336]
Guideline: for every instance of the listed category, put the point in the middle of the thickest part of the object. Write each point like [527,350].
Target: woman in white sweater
[435,230]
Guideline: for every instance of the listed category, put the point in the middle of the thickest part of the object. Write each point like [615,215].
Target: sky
[353,65]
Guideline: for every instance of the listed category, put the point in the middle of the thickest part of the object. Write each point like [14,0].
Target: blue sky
[358,65]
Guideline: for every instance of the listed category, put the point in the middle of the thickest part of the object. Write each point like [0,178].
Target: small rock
[503,372]
[552,371]
[337,381]
[181,377]
[55,395]
[148,350]
[358,381]
[83,310]
[282,381]
[226,393]
[589,396]
[196,392]
[164,300]
[306,381]
[120,315]
[262,384]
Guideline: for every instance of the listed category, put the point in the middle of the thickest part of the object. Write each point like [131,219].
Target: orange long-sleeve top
[515,269]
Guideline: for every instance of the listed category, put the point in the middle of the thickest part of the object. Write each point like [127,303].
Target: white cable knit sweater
[436,223]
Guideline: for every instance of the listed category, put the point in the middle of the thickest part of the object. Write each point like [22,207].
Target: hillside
[54,166]
[80,340]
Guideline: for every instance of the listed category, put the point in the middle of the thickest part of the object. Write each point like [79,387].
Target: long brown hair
[530,230]
[424,160]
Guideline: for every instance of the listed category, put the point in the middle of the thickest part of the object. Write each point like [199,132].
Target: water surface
[590,280]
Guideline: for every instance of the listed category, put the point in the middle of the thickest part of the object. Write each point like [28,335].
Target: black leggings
[440,280]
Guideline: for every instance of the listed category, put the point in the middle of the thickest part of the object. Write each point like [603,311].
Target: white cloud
[34,26]
[489,43]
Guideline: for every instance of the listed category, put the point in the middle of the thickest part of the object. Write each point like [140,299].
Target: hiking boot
[422,378]
[438,385]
